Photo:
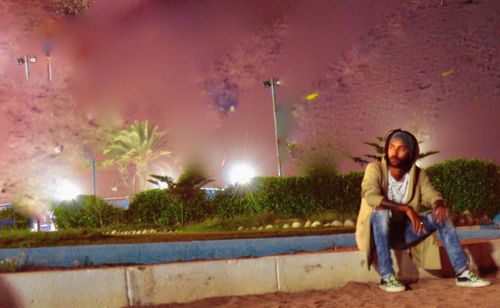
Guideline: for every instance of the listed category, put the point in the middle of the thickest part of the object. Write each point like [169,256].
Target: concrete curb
[189,281]
[158,253]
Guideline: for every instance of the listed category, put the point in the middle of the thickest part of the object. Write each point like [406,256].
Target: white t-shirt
[398,190]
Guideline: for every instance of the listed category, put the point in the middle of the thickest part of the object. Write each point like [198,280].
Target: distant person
[395,195]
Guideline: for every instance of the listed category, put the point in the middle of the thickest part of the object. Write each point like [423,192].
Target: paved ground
[425,293]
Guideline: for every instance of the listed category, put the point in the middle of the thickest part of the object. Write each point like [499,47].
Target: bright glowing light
[162,185]
[241,174]
[447,73]
[67,191]
[312,96]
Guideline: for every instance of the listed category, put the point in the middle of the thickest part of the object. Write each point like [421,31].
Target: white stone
[260,228]
[254,228]
[286,226]
[326,225]
[296,224]
[348,223]
[268,227]
[240,228]
[307,224]
[113,232]
[337,223]
[316,224]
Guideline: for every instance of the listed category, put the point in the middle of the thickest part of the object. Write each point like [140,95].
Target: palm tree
[136,146]
[378,146]
[187,188]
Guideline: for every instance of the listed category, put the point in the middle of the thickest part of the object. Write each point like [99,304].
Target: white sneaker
[471,280]
[391,284]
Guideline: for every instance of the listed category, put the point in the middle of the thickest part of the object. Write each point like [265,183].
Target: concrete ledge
[158,253]
[185,282]
[189,281]
[82,288]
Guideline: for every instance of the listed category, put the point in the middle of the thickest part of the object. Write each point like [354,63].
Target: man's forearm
[438,203]
[390,205]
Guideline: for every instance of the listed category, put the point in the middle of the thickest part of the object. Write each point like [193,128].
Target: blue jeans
[399,234]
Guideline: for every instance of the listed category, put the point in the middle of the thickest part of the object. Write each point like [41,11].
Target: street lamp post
[26,60]
[93,178]
[273,83]
[90,157]
[49,68]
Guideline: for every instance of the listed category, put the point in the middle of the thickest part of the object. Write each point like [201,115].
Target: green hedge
[195,205]
[351,192]
[292,196]
[468,184]
[233,201]
[20,221]
[169,207]
[86,212]
[155,206]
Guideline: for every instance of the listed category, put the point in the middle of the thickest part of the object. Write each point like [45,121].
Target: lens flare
[241,174]
[67,191]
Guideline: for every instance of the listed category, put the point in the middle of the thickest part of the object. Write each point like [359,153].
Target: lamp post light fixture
[26,60]
[273,83]
[89,156]
[49,68]
[94,188]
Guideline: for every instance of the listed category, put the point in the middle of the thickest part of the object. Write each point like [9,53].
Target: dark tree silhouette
[379,152]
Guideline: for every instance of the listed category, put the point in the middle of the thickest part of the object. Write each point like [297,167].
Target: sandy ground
[425,293]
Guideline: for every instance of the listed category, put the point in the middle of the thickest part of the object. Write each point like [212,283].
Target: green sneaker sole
[473,284]
[393,289]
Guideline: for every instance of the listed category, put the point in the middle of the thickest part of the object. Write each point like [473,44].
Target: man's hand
[440,211]
[416,222]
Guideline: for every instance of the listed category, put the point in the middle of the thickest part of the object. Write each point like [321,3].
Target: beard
[399,163]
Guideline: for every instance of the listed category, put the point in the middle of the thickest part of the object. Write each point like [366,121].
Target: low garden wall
[190,281]
[156,253]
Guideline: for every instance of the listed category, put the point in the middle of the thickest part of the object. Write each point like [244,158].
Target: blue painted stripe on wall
[154,253]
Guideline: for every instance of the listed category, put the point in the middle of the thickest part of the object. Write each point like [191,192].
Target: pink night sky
[195,68]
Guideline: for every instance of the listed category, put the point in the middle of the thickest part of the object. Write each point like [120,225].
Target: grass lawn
[25,239]
[210,229]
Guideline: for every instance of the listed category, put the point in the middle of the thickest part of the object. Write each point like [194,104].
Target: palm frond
[423,155]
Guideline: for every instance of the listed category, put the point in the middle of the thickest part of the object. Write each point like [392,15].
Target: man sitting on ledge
[393,193]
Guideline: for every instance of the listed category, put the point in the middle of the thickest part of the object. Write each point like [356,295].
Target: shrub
[196,206]
[467,184]
[287,196]
[283,195]
[233,201]
[86,212]
[20,222]
[351,192]
[194,203]
[155,206]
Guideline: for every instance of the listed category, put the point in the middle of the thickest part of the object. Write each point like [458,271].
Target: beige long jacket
[421,194]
